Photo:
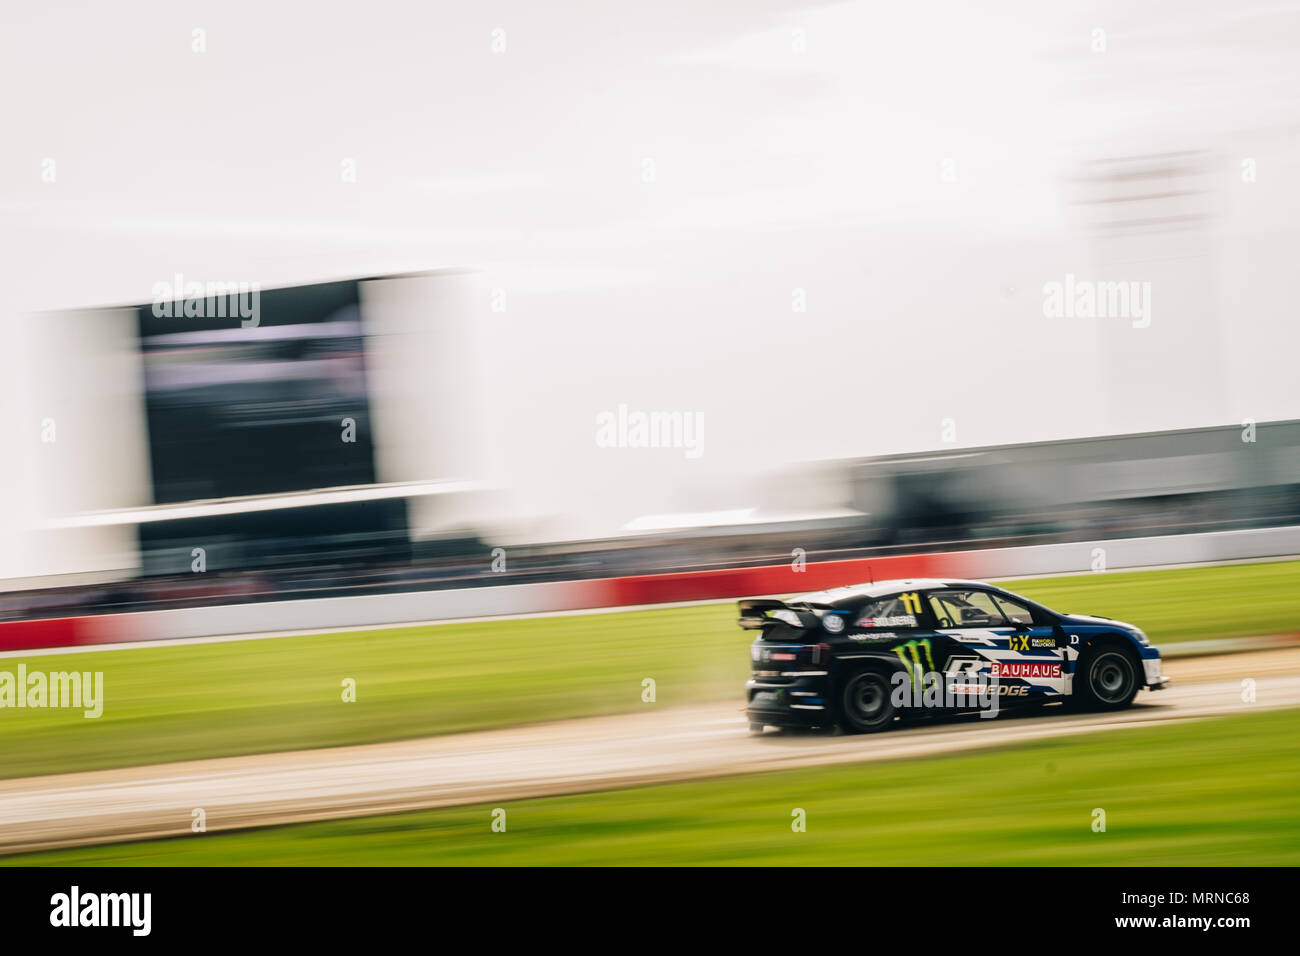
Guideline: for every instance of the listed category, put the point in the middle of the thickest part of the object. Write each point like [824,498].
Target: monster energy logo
[913,665]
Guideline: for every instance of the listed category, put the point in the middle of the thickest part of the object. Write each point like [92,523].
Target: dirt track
[591,753]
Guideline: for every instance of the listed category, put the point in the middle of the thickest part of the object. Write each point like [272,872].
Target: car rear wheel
[865,706]
[1106,679]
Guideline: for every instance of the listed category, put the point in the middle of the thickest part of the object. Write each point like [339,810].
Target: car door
[998,637]
[1037,642]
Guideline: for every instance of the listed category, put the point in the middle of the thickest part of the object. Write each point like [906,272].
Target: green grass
[1222,792]
[1183,604]
[208,700]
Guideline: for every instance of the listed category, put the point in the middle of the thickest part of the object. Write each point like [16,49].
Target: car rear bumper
[789,699]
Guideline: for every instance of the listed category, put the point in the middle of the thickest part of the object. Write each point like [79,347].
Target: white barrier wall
[1079,558]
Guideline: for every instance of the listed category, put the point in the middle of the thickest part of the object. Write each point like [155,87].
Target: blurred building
[1199,479]
[325,429]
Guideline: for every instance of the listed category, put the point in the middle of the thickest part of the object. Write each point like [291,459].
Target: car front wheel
[1106,679]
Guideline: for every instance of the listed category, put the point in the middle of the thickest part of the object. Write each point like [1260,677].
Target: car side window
[899,610]
[1015,612]
[945,611]
[957,608]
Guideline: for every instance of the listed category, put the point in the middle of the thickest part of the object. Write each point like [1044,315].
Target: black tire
[865,704]
[756,728]
[1106,678]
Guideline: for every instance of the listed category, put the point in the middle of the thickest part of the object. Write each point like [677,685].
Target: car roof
[883,588]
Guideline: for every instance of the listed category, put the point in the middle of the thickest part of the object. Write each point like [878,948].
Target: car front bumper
[1155,680]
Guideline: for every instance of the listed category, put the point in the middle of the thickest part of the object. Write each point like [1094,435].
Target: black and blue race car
[859,658]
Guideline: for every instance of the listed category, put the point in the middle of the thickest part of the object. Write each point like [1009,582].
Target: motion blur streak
[564,757]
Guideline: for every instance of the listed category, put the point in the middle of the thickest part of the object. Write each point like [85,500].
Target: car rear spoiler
[753,613]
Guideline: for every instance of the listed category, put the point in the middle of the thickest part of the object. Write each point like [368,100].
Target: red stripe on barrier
[115,628]
[47,632]
[772,579]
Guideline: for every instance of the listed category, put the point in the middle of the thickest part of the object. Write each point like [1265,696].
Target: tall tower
[1150,220]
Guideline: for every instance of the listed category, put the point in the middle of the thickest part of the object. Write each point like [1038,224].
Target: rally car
[860,657]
